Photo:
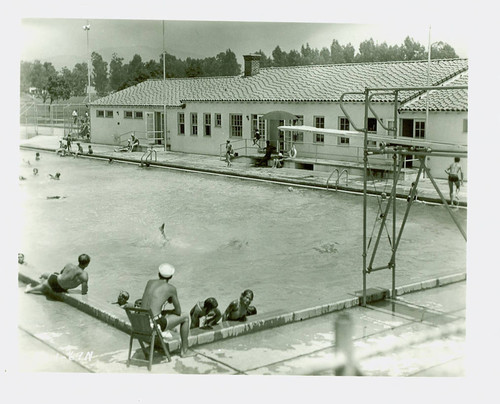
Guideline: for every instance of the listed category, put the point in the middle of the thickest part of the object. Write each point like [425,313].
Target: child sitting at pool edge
[205,314]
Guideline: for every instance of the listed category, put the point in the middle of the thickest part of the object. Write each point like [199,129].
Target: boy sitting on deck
[238,310]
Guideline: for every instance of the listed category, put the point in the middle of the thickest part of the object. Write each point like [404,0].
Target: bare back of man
[70,277]
[156,294]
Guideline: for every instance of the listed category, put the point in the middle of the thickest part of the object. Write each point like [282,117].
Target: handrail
[330,176]
[149,154]
[346,177]
[345,112]
[375,114]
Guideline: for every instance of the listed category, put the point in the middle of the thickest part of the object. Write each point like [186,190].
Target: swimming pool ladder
[339,175]
[148,154]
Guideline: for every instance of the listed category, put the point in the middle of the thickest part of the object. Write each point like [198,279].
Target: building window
[419,129]
[207,128]
[236,128]
[138,115]
[343,123]
[109,114]
[343,141]
[99,113]
[128,115]
[465,125]
[372,125]
[371,143]
[180,123]
[319,122]
[218,120]
[194,124]
[298,137]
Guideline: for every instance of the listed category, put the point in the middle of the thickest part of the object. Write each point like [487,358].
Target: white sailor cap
[166,270]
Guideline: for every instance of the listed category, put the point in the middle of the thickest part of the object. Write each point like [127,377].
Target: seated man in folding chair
[156,294]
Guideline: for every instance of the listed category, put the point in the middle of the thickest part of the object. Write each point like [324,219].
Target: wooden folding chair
[145,329]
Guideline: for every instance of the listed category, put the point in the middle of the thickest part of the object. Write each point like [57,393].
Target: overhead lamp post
[87,29]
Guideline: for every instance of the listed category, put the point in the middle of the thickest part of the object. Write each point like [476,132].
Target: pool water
[294,247]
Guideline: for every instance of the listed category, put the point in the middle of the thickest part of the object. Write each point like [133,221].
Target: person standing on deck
[455,177]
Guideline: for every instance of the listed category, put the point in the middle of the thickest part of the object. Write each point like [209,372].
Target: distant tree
[100,74]
[337,52]
[279,57]
[294,59]
[136,71]
[412,50]
[264,60]
[308,55]
[325,56]
[58,88]
[154,69]
[25,76]
[442,50]
[117,73]
[40,74]
[210,67]
[173,66]
[80,79]
[367,51]
[193,68]
[228,63]
[349,52]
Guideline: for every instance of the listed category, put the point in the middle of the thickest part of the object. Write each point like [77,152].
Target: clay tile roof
[443,100]
[319,83]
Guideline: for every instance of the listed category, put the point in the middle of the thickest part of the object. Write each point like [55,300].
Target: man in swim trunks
[157,293]
[205,314]
[454,171]
[70,277]
[238,310]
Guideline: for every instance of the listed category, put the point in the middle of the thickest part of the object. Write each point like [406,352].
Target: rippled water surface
[294,247]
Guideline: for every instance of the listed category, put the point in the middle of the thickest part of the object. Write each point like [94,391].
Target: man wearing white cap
[156,294]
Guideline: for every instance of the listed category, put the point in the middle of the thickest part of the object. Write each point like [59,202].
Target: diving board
[400,141]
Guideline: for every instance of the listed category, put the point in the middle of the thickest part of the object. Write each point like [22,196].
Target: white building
[202,113]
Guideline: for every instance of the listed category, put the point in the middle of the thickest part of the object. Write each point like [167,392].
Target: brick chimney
[252,64]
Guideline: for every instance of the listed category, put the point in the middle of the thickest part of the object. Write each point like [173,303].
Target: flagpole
[164,92]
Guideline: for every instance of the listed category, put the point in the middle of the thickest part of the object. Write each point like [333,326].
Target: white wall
[443,127]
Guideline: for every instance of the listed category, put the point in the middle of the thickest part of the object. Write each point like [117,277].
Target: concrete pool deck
[420,334]
[214,165]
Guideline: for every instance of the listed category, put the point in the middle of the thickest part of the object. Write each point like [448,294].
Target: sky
[57,36]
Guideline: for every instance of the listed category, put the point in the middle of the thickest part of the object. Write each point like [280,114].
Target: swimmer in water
[37,156]
[56,197]
[35,171]
[162,231]
[55,177]
[21,178]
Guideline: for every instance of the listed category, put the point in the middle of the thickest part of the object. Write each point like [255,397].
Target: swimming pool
[294,248]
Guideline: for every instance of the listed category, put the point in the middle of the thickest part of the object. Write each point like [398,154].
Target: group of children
[65,148]
[206,314]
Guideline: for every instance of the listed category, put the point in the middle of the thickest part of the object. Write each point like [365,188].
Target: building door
[407,131]
[154,127]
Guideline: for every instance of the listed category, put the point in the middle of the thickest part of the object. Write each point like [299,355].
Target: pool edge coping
[258,322]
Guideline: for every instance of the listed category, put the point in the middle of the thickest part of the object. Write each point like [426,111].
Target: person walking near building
[455,179]
[229,152]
